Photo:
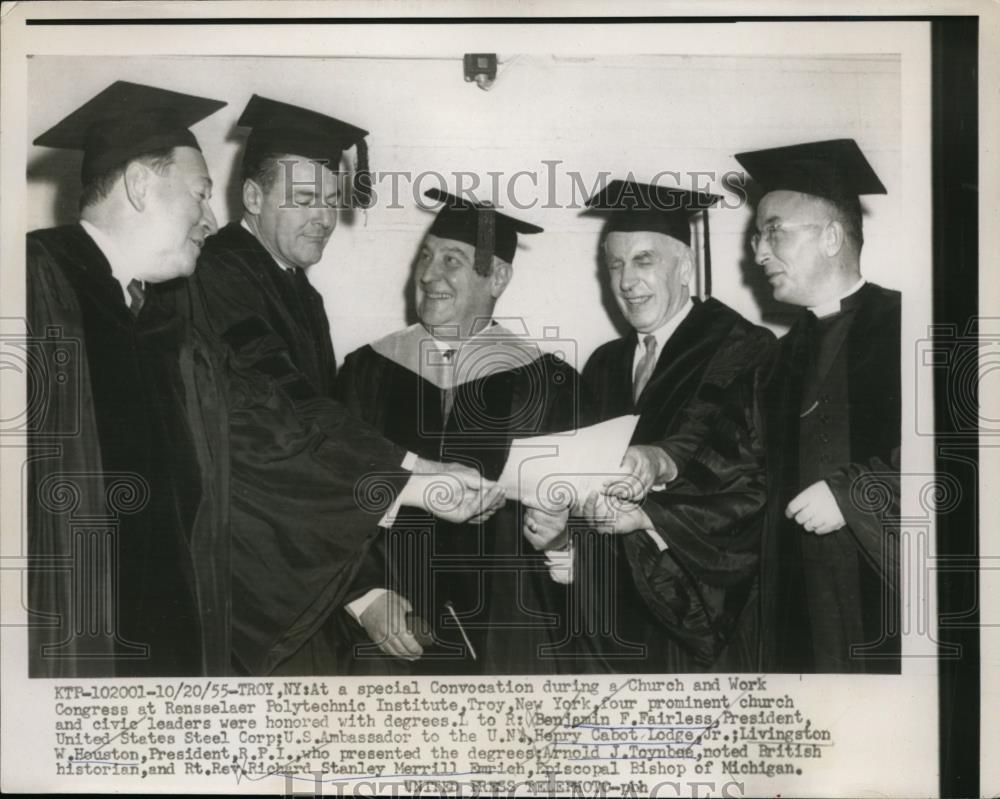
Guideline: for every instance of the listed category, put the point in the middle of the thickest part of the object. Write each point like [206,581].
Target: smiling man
[671,586]
[115,443]
[460,386]
[832,414]
[298,461]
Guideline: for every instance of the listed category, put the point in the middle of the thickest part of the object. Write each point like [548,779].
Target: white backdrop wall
[641,114]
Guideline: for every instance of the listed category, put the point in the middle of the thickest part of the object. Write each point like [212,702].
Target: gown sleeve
[304,476]
[64,478]
[711,516]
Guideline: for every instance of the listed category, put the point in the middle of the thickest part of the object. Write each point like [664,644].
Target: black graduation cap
[635,206]
[835,170]
[278,127]
[125,121]
[479,224]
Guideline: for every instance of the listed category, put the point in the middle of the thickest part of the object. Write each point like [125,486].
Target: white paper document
[546,471]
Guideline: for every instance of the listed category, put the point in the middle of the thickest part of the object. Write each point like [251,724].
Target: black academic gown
[496,582]
[296,457]
[832,411]
[692,606]
[114,476]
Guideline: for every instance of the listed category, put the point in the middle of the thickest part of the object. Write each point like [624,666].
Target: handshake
[457,493]
[452,492]
[616,509]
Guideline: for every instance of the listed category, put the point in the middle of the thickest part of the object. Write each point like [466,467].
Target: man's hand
[614,516]
[489,509]
[459,504]
[466,474]
[452,499]
[385,622]
[643,467]
[455,494]
[545,530]
[816,509]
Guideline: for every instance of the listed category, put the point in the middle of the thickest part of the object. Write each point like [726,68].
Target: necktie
[645,369]
[137,294]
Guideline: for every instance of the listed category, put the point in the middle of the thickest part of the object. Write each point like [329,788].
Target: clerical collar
[281,264]
[121,267]
[833,306]
[665,331]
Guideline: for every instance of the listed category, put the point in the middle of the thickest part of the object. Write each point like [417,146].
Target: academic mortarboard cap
[125,121]
[278,127]
[835,170]
[479,224]
[633,207]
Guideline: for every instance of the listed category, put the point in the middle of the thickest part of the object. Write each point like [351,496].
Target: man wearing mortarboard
[831,409]
[670,585]
[114,474]
[300,517]
[458,385]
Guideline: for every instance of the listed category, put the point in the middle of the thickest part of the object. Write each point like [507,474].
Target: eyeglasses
[774,232]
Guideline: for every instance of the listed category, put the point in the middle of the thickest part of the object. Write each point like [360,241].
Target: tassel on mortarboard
[362,195]
[635,207]
[485,238]
[480,225]
[707,289]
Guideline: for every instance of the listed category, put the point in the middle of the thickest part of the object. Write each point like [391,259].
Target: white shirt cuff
[657,539]
[389,518]
[361,604]
[560,563]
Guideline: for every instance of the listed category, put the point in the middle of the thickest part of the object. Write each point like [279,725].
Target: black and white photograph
[580,405]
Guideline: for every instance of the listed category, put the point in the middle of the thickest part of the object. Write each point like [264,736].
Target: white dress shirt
[662,334]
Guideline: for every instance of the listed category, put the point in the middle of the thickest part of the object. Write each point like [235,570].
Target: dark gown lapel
[868,322]
[91,276]
[824,339]
[297,308]
[275,283]
[829,337]
[619,375]
[622,377]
